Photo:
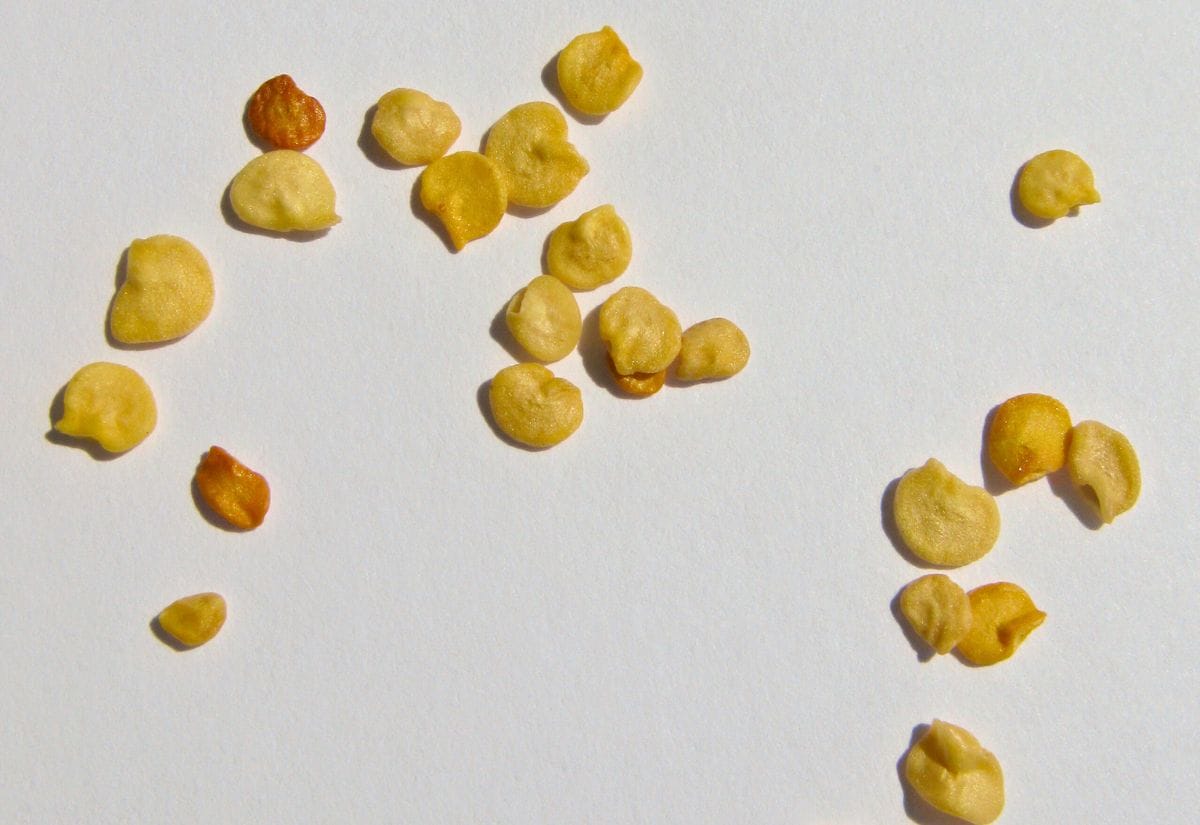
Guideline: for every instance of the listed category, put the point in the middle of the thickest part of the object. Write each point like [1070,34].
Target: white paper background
[682,614]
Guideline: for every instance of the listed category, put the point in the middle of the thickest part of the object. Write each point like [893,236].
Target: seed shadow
[550,81]
[87,445]
[232,219]
[594,354]
[917,809]
[1080,502]
[485,409]
[166,638]
[1022,215]
[208,513]
[371,148]
[924,652]
[428,218]
[887,520]
[503,336]
[993,480]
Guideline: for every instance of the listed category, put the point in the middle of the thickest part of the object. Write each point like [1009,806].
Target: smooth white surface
[682,614]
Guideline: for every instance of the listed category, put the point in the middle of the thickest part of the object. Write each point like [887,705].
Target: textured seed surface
[544,319]
[641,333]
[110,404]
[167,293]
[1101,460]
[414,128]
[938,611]
[529,144]
[284,116]
[1053,183]
[284,191]
[951,771]
[942,519]
[716,348]
[194,620]
[1002,616]
[596,72]
[640,384]
[590,251]
[1027,437]
[468,194]
[233,491]
[531,406]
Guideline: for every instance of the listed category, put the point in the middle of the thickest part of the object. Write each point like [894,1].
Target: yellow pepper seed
[590,251]
[284,191]
[638,384]
[938,611]
[1002,616]
[1027,437]
[642,334]
[194,620]
[951,771]
[233,491]
[529,144]
[530,405]
[1053,183]
[711,349]
[167,293]
[468,194]
[544,318]
[1102,460]
[110,404]
[414,128]
[942,519]
[596,72]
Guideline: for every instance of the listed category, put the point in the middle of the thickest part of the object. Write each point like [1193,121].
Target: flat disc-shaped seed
[529,144]
[938,611]
[1002,616]
[1102,460]
[955,774]
[1027,437]
[642,334]
[942,519]
[712,349]
[596,72]
[167,293]
[233,491]
[284,191]
[414,128]
[544,318]
[530,405]
[284,116]
[591,250]
[1053,183]
[194,620]
[468,194]
[110,404]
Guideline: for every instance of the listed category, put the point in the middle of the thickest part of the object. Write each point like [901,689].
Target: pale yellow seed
[529,144]
[544,318]
[942,519]
[951,771]
[1002,616]
[1053,183]
[590,251]
[938,611]
[1027,437]
[167,293]
[1101,460]
[596,72]
[284,191]
[715,348]
[414,128]
[110,404]
[642,334]
[468,194]
[194,620]
[530,405]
